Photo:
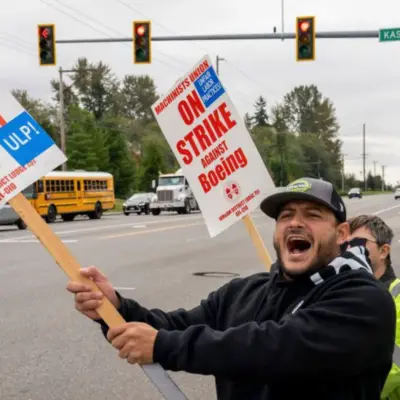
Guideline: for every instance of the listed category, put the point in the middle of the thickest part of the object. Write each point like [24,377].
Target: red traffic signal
[304,26]
[305,38]
[140,30]
[142,42]
[47,45]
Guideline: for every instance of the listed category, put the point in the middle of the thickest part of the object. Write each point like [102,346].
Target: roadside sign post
[389,35]
[217,155]
[27,153]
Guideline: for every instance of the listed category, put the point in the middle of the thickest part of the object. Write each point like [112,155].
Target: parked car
[9,217]
[354,192]
[138,203]
[397,193]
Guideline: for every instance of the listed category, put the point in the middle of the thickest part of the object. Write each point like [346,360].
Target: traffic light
[47,45]
[305,38]
[142,42]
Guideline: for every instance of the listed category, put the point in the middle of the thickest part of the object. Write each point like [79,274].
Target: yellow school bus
[72,193]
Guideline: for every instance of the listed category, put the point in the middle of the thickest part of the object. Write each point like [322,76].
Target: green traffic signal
[305,52]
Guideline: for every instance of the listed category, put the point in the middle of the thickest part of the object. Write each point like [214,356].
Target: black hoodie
[264,337]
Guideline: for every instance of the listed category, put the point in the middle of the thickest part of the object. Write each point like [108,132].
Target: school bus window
[63,186]
[79,185]
[29,192]
[40,187]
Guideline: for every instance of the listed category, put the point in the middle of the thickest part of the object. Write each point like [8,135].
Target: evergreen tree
[261,116]
[152,164]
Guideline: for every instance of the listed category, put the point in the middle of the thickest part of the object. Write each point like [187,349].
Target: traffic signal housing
[47,45]
[305,38]
[142,42]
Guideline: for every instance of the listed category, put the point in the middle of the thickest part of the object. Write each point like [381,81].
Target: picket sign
[215,151]
[27,153]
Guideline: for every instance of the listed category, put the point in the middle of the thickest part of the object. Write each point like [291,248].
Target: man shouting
[318,327]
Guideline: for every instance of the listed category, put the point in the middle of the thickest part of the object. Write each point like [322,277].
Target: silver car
[9,217]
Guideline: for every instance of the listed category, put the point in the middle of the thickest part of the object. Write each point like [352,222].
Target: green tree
[306,112]
[45,114]
[370,181]
[151,165]
[139,95]
[121,163]
[261,116]
[152,132]
[248,121]
[93,86]
[86,148]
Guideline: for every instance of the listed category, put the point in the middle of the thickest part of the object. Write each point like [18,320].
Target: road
[48,351]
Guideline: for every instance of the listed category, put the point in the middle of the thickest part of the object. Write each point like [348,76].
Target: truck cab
[173,193]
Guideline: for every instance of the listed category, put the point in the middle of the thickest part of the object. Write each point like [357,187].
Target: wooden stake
[71,267]
[258,242]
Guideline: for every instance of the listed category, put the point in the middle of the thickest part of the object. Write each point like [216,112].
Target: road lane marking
[386,209]
[139,226]
[166,228]
[124,288]
[166,220]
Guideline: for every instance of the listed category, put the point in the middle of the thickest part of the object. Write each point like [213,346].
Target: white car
[397,194]
[9,217]
[354,192]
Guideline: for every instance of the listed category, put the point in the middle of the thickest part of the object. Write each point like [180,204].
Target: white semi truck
[173,193]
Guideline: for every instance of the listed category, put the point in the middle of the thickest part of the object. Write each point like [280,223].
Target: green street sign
[389,35]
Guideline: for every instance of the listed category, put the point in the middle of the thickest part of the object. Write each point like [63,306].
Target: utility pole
[383,177]
[343,171]
[217,64]
[283,19]
[364,155]
[375,162]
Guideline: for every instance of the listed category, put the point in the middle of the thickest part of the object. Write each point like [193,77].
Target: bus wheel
[97,213]
[51,214]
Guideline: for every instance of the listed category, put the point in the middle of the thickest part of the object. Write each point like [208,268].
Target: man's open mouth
[298,245]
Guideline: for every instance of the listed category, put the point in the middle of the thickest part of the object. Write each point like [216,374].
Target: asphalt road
[48,351]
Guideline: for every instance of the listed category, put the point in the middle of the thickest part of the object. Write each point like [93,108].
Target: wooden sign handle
[258,242]
[71,267]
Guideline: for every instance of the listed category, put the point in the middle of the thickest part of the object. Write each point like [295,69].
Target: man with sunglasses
[378,236]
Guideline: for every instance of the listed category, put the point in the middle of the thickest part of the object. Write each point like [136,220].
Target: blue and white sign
[24,139]
[209,87]
[27,152]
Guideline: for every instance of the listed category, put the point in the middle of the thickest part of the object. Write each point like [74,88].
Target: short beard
[325,254]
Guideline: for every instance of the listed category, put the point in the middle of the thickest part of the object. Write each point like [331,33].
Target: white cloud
[359,75]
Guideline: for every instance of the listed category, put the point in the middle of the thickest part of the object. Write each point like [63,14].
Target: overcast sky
[361,76]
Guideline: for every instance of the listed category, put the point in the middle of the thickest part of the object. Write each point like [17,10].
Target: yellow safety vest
[391,390]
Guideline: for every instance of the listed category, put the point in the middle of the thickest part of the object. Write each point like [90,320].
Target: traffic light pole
[374,34]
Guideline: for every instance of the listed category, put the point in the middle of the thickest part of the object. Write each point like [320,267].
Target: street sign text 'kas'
[214,148]
[389,35]
[27,152]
